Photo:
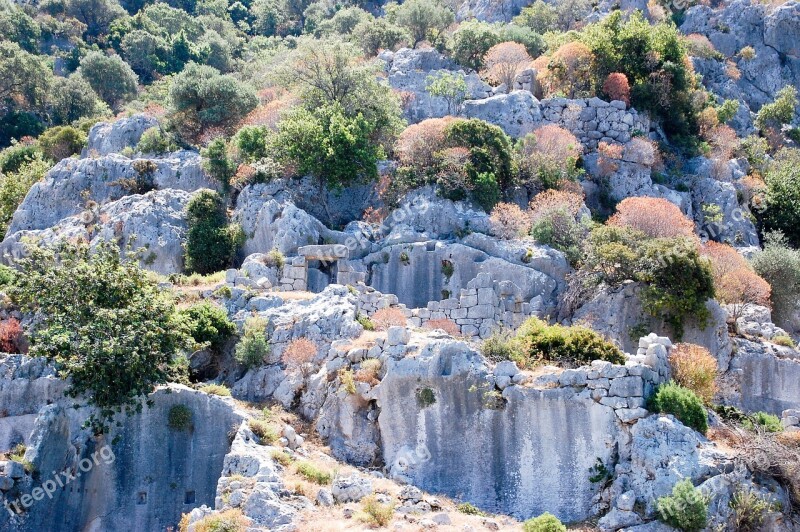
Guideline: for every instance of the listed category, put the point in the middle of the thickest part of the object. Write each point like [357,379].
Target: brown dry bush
[550,201]
[766,454]
[508,221]
[735,281]
[616,86]
[504,62]
[694,367]
[655,217]
[388,317]
[416,145]
[369,371]
[445,324]
[299,355]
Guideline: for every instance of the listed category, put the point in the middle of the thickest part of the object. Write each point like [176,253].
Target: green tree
[782,197]
[200,97]
[424,19]
[61,142]
[103,322]
[780,111]
[378,34]
[451,86]
[211,243]
[24,79]
[779,265]
[15,184]
[73,98]
[145,53]
[110,77]
[17,26]
[251,142]
[539,16]
[96,14]
[490,148]
[217,163]
[471,41]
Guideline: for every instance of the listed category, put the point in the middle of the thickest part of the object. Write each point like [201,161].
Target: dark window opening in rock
[141,497]
[321,273]
[189,498]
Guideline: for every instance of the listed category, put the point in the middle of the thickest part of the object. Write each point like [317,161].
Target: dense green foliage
[682,403]
[686,509]
[253,348]
[207,324]
[110,77]
[779,265]
[15,184]
[546,522]
[104,323]
[211,242]
[783,195]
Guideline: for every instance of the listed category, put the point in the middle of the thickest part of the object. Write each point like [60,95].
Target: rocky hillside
[454,265]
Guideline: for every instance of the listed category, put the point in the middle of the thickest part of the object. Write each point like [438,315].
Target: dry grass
[694,367]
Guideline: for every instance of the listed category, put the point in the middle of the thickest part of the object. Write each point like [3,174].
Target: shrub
[748,510]
[547,156]
[539,16]
[11,336]
[376,513]
[365,322]
[763,421]
[735,281]
[179,417]
[686,509]
[747,53]
[217,163]
[783,195]
[253,348]
[110,77]
[216,389]
[61,142]
[783,340]
[683,403]
[452,87]
[299,355]
[499,346]
[445,324]
[508,221]
[727,110]
[544,523]
[313,474]
[655,217]
[274,259]
[537,341]
[388,317]
[104,323]
[211,243]
[417,143]
[266,433]
[347,380]
[504,62]
[207,324]
[368,371]
[616,87]
[469,509]
[470,42]
[553,222]
[780,111]
[423,19]
[7,276]
[694,368]
[281,457]
[779,265]
[232,520]
[569,70]
[155,141]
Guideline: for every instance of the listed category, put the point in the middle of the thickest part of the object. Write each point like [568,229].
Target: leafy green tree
[379,34]
[471,41]
[686,509]
[779,265]
[329,145]
[17,26]
[424,19]
[217,163]
[110,77]
[103,322]
[73,98]
[145,53]
[268,19]
[782,197]
[780,111]
[97,15]
[207,324]
[532,41]
[450,86]
[24,79]
[344,21]
[15,184]
[211,243]
[539,16]
[251,142]
[200,97]
[490,148]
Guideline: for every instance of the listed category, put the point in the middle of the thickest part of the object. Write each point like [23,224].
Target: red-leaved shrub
[655,217]
[616,87]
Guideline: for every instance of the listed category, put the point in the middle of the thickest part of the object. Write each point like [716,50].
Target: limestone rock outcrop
[106,138]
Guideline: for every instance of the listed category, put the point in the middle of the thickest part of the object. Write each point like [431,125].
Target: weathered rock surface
[75,185]
[106,138]
[154,221]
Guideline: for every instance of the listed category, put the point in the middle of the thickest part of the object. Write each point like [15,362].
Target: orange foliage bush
[504,62]
[655,217]
[550,201]
[548,155]
[416,145]
[570,69]
[735,281]
[388,317]
[11,336]
[616,87]
[509,221]
[694,367]
[299,355]
[724,142]
[700,46]
[447,325]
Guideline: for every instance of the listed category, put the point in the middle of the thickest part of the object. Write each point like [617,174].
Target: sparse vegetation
[681,402]
[266,433]
[314,474]
[694,368]
[686,509]
[216,389]
[376,513]
[253,349]
[180,417]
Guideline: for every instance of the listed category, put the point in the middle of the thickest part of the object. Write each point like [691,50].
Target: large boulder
[74,185]
[106,138]
[782,29]
[517,113]
[154,222]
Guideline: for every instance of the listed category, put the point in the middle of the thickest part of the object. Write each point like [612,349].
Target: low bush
[499,346]
[253,348]
[749,511]
[546,522]
[536,341]
[683,403]
[314,474]
[376,513]
[469,509]
[179,417]
[368,371]
[445,324]
[216,389]
[274,259]
[232,520]
[266,433]
[695,368]
[686,509]
[299,355]
[155,141]
[784,340]
[365,322]
[763,421]
[281,457]
[388,317]
[207,324]
[61,142]
[508,221]
[655,217]
[11,336]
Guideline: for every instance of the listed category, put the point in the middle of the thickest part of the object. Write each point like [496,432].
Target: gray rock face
[142,482]
[154,221]
[71,186]
[735,228]
[782,29]
[424,105]
[106,138]
[517,113]
[423,211]
[490,10]
[434,443]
